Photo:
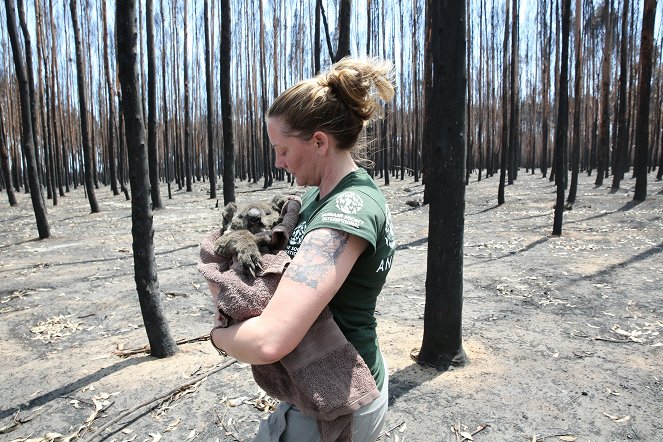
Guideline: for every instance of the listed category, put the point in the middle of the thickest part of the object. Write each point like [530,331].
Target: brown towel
[324,377]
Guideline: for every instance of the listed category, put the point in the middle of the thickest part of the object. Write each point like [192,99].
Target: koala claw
[251,261]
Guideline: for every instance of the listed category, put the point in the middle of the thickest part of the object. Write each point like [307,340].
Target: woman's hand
[315,274]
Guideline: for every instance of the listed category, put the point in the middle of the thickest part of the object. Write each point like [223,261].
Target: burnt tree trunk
[27,41]
[442,341]
[622,135]
[644,92]
[142,230]
[4,158]
[152,109]
[187,105]
[111,106]
[210,103]
[561,137]
[344,19]
[577,87]
[505,125]
[604,123]
[82,104]
[26,134]
[226,116]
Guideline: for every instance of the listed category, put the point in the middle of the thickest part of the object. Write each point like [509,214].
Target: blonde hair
[339,102]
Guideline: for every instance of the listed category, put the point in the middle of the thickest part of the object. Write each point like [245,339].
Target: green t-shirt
[358,207]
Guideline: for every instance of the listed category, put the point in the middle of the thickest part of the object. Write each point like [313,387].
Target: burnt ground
[562,333]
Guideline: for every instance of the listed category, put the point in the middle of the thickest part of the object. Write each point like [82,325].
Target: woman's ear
[321,139]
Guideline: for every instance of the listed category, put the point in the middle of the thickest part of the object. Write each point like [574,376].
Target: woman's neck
[337,169]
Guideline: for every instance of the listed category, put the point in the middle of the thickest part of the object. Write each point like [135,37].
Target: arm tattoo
[322,249]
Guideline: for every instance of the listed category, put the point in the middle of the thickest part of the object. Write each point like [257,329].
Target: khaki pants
[288,424]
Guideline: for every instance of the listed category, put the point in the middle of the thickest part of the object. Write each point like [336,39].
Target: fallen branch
[479,429]
[384,433]
[619,341]
[146,348]
[160,397]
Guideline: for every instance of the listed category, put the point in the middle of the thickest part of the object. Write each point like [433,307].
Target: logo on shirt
[390,237]
[349,202]
[296,239]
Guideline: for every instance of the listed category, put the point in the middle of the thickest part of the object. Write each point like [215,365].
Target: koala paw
[250,260]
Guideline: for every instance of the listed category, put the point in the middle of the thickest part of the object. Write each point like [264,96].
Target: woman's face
[293,154]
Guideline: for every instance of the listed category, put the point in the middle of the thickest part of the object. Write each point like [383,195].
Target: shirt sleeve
[351,211]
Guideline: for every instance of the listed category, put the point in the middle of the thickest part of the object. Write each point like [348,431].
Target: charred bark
[442,341]
[142,230]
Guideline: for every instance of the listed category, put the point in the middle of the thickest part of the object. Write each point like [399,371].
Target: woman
[343,246]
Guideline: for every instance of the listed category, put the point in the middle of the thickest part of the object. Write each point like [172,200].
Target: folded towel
[324,377]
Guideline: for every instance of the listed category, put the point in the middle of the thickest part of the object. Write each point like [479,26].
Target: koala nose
[253,216]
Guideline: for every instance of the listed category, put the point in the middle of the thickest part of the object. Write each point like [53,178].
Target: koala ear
[278,201]
[228,213]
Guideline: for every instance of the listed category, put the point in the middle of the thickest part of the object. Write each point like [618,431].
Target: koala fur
[246,231]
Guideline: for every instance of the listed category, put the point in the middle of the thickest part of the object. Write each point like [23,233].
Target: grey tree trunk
[210,103]
[622,134]
[604,123]
[152,154]
[31,81]
[82,102]
[187,105]
[505,126]
[111,106]
[142,231]
[26,135]
[442,341]
[4,158]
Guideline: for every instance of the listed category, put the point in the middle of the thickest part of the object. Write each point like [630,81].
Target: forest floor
[563,334]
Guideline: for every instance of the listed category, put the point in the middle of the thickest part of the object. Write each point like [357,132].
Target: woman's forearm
[247,342]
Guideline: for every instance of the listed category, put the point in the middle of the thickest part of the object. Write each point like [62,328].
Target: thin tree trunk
[26,135]
[31,81]
[147,283]
[344,18]
[622,135]
[547,31]
[187,105]
[604,135]
[514,124]
[316,38]
[85,134]
[111,106]
[505,126]
[152,153]
[226,115]
[575,149]
[266,150]
[561,129]
[210,103]
[4,158]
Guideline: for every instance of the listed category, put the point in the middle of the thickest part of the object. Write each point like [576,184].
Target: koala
[246,231]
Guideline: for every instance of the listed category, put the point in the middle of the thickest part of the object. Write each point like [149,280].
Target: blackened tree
[442,341]
[26,134]
[155,193]
[226,106]
[561,138]
[82,110]
[644,92]
[142,230]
